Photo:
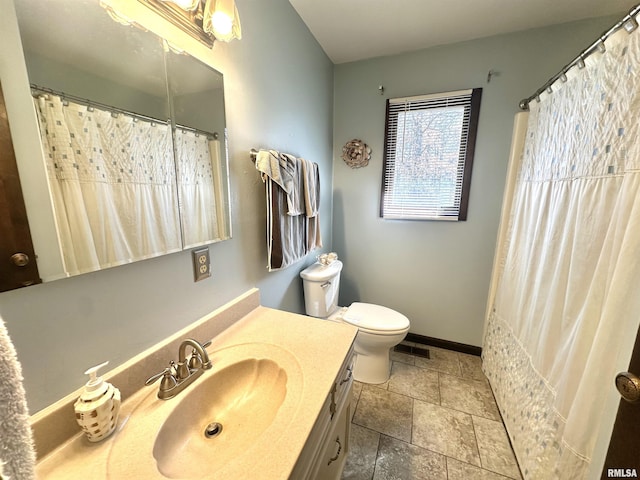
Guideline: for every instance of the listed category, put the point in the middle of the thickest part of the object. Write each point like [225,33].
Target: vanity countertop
[319,347]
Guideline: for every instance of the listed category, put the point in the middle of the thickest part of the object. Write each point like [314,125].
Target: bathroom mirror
[98,85]
[196,94]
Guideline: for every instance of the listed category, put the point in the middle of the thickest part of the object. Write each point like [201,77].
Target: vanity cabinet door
[325,452]
[336,448]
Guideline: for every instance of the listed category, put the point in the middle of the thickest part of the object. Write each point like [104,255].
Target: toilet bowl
[379,328]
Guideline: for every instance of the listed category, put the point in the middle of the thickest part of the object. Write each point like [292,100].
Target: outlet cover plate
[201,264]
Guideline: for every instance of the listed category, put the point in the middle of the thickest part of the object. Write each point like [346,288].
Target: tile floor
[435,419]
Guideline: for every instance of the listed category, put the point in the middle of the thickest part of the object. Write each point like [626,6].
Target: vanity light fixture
[204,20]
[187,5]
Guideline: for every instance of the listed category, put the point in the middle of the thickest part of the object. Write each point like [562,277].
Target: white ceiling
[350,30]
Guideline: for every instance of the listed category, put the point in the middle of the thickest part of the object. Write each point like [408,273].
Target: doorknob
[628,386]
[20,259]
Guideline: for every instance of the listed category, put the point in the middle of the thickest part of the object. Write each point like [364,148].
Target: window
[428,155]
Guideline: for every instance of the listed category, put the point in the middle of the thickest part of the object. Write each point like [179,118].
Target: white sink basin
[244,403]
[217,419]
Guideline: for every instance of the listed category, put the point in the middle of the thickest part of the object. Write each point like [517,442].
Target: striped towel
[292,197]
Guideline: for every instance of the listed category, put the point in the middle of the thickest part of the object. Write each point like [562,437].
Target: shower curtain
[567,268]
[199,174]
[112,181]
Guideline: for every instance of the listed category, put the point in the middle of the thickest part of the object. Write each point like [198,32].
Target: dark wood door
[17,257]
[623,457]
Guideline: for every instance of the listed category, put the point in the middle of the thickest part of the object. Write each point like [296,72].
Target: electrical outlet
[201,264]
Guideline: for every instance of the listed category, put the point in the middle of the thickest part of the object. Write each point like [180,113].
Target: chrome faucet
[176,377]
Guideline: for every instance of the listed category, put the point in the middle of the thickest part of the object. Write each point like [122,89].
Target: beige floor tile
[385,412]
[470,396]
[361,459]
[457,433]
[458,470]
[471,367]
[441,360]
[444,431]
[415,382]
[400,460]
[495,450]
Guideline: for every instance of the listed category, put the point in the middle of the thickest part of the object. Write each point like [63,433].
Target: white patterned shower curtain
[112,181]
[568,266]
[198,163]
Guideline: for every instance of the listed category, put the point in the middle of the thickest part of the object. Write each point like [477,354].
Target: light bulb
[221,23]
[220,19]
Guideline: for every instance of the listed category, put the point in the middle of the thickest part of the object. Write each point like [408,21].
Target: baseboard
[449,345]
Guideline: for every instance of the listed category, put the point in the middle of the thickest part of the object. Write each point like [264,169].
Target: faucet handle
[167,375]
[195,360]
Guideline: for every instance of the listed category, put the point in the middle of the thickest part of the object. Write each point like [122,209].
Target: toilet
[379,328]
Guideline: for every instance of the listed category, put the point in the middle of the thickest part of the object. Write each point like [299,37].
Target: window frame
[466,153]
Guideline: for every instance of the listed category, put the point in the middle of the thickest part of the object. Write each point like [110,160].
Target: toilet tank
[321,288]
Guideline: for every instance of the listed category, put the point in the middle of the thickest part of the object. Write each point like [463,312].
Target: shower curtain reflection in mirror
[199,169]
[113,183]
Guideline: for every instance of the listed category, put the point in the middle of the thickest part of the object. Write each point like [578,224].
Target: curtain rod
[36,89]
[204,133]
[90,103]
[628,22]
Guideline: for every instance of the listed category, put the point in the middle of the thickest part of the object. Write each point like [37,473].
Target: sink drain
[213,430]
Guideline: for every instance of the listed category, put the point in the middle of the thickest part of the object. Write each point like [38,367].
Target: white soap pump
[98,406]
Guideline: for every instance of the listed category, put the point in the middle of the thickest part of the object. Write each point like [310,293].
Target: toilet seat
[375,319]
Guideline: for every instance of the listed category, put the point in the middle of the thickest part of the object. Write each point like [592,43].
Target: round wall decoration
[356,153]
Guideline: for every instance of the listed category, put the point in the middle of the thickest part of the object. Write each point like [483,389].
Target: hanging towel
[295,197]
[286,171]
[311,191]
[268,163]
[292,197]
[311,181]
[286,241]
[17,455]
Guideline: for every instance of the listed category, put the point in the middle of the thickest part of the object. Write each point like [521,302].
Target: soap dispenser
[98,406]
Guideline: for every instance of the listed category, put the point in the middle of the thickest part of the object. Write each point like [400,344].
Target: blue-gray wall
[436,273]
[279,88]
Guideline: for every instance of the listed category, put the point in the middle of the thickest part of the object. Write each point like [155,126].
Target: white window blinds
[429,143]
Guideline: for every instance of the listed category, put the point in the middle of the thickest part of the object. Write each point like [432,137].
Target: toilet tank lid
[321,273]
[375,317]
